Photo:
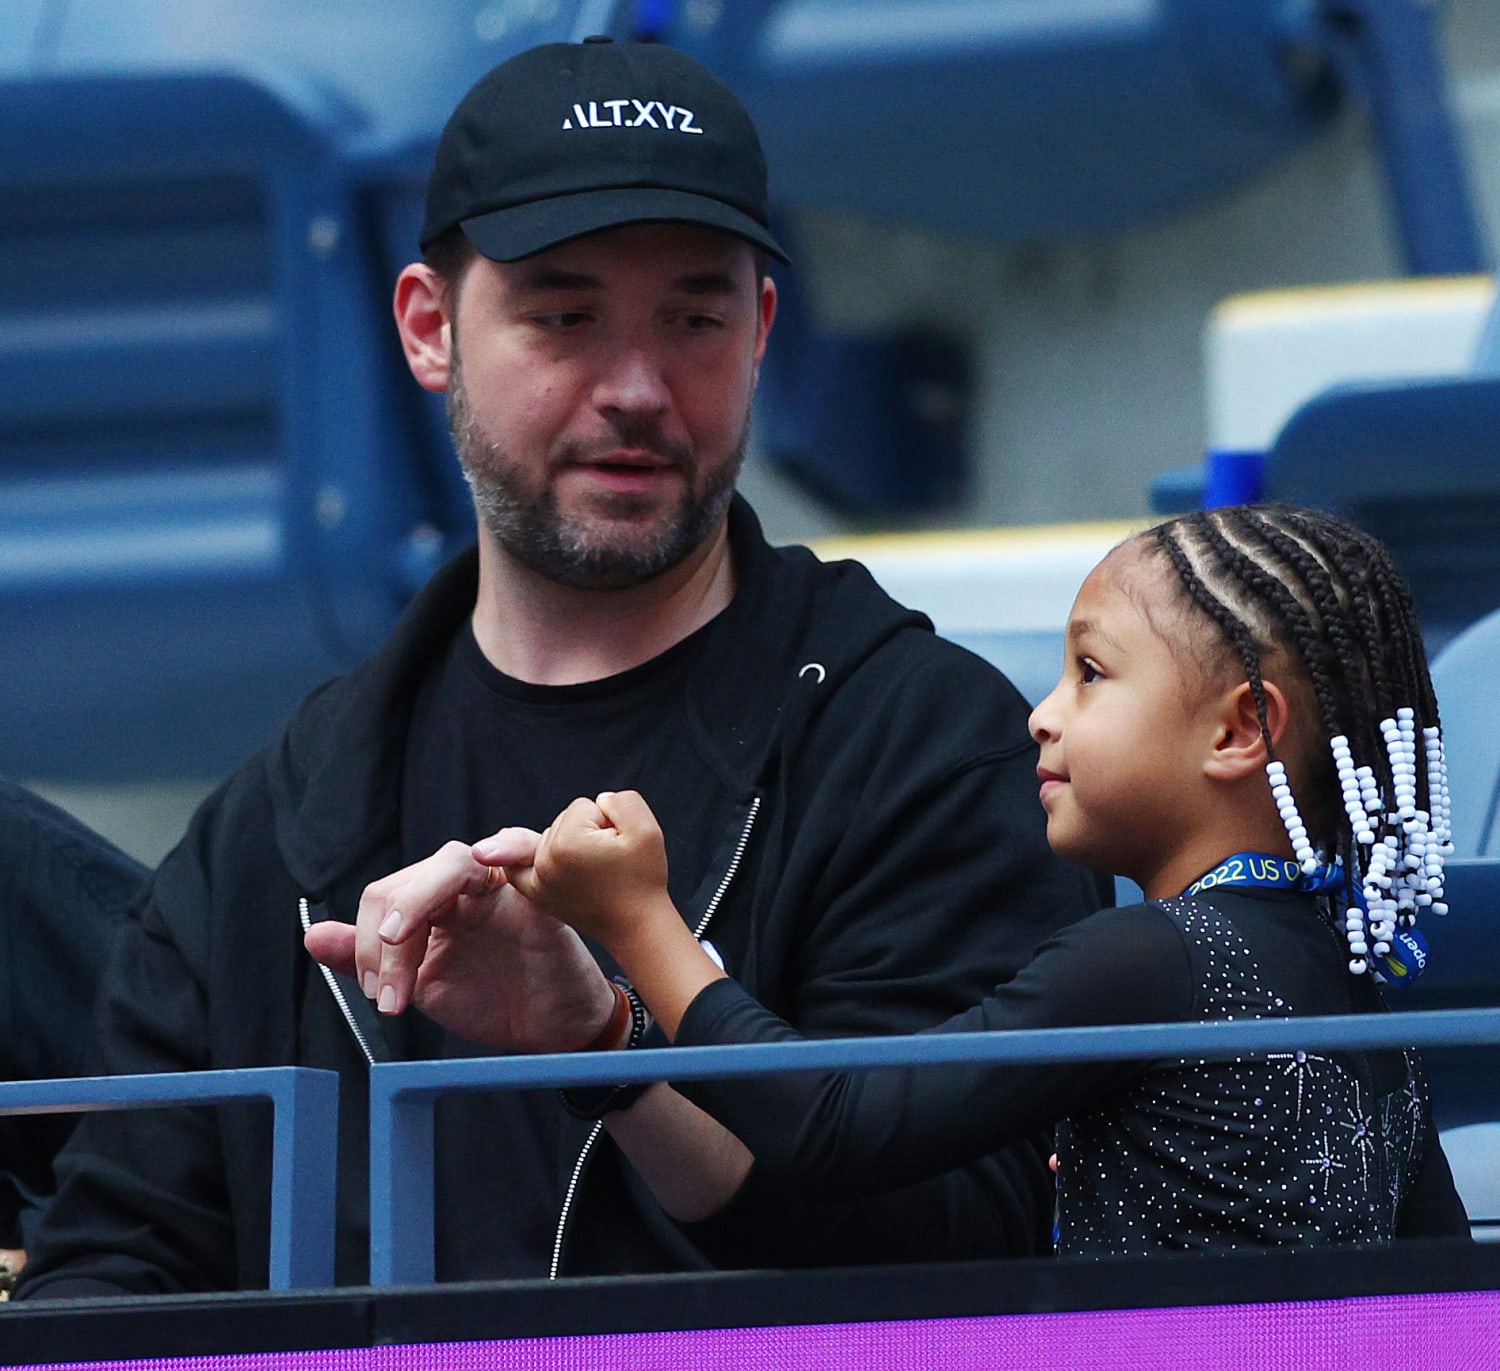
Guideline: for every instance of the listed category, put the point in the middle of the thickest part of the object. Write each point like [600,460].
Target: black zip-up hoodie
[882,864]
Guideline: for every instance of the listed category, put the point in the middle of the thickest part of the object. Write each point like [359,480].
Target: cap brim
[507,235]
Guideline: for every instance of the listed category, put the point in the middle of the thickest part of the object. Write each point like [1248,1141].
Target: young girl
[1245,727]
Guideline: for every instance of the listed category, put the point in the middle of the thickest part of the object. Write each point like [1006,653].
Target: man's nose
[634,383]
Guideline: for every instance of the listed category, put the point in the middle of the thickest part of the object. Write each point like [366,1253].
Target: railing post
[401,1180]
[304,1179]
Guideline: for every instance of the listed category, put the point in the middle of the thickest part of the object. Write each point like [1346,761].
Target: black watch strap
[595,1101]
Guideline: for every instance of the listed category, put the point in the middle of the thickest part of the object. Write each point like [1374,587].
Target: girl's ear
[1239,747]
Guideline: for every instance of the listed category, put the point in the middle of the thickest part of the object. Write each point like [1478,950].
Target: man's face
[600,397]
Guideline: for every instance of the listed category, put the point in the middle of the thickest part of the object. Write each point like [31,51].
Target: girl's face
[1124,732]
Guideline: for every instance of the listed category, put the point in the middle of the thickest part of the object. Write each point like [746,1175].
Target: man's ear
[423,323]
[1239,746]
[765,318]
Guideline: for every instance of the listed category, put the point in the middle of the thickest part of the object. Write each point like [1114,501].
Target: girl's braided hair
[1310,587]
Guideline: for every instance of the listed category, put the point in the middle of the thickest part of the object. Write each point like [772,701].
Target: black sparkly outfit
[1286,1148]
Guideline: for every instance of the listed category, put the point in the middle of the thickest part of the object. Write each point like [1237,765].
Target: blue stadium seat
[1487,354]
[1464,675]
[212,485]
[1413,462]
[1465,968]
[1410,459]
[1473,1152]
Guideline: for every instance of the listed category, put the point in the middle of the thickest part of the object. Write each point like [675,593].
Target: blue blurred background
[1012,221]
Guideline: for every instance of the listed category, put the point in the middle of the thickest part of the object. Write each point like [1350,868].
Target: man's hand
[451,936]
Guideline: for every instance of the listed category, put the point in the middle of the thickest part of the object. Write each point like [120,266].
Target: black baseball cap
[570,138]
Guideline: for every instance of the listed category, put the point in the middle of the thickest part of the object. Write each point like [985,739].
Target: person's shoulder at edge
[30,821]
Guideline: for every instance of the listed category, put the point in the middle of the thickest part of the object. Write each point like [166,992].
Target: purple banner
[1400,1332]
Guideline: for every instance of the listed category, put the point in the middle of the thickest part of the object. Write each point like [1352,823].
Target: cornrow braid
[1362,622]
[1317,589]
[1230,624]
[1300,625]
[1330,659]
[1365,632]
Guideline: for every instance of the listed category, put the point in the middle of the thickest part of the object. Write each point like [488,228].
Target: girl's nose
[1043,724]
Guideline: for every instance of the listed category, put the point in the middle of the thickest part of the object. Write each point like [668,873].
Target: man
[850,804]
[63,892]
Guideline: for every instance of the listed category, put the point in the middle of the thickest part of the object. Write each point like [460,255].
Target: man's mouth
[632,459]
[628,470]
[629,464]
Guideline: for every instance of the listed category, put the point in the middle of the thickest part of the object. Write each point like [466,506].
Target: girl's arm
[602,868]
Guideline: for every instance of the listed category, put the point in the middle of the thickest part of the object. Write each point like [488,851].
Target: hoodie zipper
[567,1204]
[305,914]
[729,871]
[588,1145]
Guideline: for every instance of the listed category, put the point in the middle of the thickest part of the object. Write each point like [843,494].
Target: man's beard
[526,522]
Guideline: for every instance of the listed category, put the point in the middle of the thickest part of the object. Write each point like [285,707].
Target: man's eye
[1088,670]
[563,319]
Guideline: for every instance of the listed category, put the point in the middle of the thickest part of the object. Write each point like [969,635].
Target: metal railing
[402,1094]
[304,1145]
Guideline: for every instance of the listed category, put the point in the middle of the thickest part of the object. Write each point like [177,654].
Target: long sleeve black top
[1294,1147]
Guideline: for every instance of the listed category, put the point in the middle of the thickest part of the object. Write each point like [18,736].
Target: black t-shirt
[487,751]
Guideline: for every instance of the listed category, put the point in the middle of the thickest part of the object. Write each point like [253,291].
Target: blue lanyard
[1400,966]
[1265,872]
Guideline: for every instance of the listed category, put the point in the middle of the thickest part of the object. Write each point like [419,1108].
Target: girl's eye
[1088,671]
